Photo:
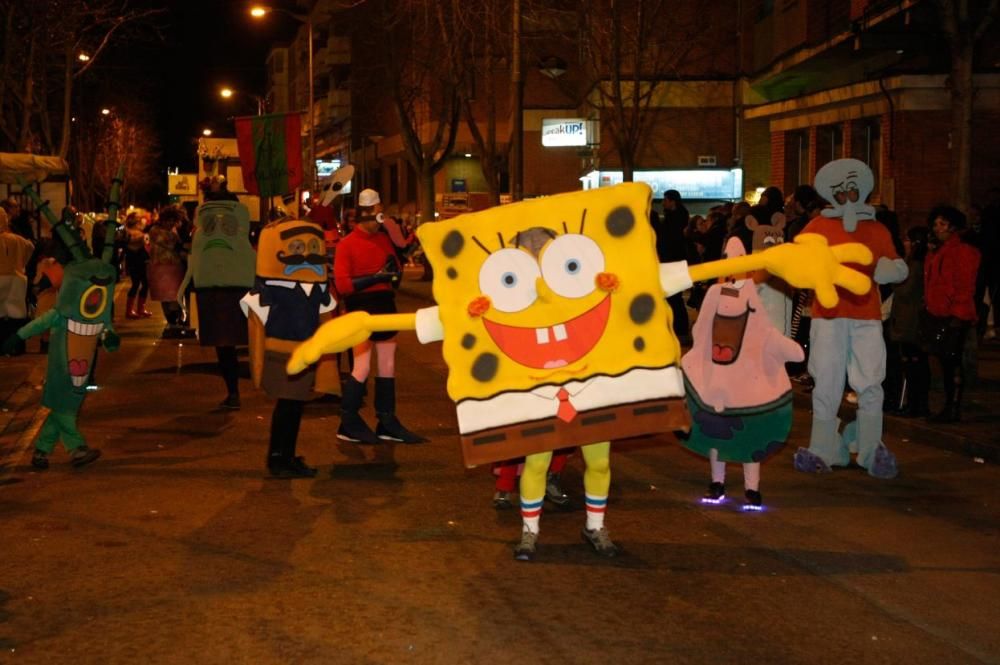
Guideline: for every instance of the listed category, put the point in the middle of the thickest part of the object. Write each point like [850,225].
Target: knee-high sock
[533,489]
[718,466]
[751,476]
[596,481]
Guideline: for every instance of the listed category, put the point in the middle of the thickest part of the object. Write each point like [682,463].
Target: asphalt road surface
[176,548]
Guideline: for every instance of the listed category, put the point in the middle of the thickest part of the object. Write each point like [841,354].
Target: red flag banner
[270,149]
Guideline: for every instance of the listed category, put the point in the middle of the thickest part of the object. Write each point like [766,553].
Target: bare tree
[127,137]
[964,24]
[45,37]
[416,65]
[483,34]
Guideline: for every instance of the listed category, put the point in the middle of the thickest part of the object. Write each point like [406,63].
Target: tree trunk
[67,118]
[962,98]
[29,87]
[628,165]
[426,194]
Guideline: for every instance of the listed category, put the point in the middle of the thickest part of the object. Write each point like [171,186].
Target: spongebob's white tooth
[542,335]
[559,332]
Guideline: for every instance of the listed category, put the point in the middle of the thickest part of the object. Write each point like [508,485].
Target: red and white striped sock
[531,513]
[596,505]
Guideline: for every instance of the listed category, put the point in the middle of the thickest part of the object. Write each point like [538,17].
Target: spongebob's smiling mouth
[554,346]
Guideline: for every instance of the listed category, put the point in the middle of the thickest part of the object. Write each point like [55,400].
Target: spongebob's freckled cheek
[642,307]
[485,367]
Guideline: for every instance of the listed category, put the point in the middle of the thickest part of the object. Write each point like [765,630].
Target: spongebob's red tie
[566,412]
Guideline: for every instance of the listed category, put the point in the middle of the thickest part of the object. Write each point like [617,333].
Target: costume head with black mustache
[293,250]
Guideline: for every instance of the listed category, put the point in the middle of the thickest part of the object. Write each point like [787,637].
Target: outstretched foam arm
[345,332]
[808,263]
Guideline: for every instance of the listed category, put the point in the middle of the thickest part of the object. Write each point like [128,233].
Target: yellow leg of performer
[596,482]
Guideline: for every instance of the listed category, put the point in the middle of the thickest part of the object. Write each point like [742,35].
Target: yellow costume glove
[810,263]
[345,332]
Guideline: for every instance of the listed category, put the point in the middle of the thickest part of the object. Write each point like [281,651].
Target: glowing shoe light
[714,502]
[751,508]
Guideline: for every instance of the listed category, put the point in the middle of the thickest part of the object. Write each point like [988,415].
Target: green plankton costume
[80,319]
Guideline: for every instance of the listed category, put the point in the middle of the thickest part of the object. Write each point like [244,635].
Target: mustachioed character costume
[366,272]
[556,332]
[79,321]
[221,267]
[737,389]
[846,339]
[289,295]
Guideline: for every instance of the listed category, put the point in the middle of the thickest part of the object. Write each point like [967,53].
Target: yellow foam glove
[342,333]
[810,263]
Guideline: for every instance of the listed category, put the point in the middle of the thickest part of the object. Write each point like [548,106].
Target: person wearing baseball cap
[366,271]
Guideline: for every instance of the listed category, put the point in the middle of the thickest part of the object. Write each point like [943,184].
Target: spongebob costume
[556,332]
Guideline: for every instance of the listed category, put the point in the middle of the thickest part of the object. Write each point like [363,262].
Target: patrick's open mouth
[81,342]
[555,346]
[727,337]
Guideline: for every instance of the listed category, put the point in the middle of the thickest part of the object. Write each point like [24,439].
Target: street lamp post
[227,93]
[260,11]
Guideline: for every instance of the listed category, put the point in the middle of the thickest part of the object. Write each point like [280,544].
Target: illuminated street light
[206,132]
[260,11]
[228,93]
[83,57]
[105,111]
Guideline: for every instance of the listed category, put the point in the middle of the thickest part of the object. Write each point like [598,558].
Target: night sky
[206,44]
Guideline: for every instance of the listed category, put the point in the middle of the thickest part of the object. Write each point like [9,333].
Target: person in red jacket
[949,296]
[366,270]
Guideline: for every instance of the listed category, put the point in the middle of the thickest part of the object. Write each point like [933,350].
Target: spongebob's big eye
[571,263]
[508,278]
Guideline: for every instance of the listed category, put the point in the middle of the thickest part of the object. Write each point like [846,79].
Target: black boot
[281,459]
[389,428]
[352,427]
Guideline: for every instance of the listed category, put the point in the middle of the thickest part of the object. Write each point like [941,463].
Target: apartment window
[278,62]
[829,144]
[866,144]
[797,160]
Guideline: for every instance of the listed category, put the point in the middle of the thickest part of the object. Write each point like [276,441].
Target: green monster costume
[80,319]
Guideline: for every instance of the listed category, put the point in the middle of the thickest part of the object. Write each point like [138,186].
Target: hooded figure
[737,389]
[847,339]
